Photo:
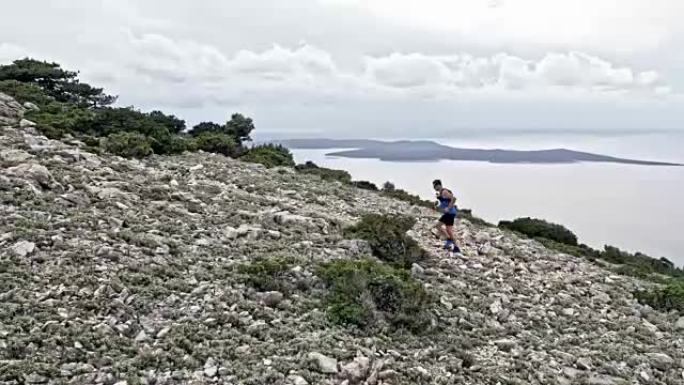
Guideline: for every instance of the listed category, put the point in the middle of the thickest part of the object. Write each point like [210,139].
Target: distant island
[423,150]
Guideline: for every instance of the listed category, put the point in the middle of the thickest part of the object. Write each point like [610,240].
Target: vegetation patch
[365,185]
[540,228]
[368,294]
[269,274]
[129,145]
[665,298]
[217,143]
[324,173]
[387,238]
[65,105]
[270,155]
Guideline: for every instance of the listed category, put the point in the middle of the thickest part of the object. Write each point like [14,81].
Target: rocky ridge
[116,271]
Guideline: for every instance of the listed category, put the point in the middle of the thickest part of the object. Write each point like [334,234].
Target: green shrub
[128,144]
[387,238]
[642,262]
[172,144]
[217,143]
[328,174]
[390,191]
[368,293]
[365,185]
[665,298]
[268,274]
[25,92]
[541,228]
[270,155]
[57,119]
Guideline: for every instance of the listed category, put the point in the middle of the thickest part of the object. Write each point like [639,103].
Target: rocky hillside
[116,271]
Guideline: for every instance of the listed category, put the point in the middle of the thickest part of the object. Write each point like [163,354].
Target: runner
[447,206]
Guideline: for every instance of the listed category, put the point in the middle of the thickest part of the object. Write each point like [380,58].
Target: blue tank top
[444,203]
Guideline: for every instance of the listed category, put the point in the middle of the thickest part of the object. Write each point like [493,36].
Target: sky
[373,68]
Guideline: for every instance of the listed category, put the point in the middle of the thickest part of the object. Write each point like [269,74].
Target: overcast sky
[373,67]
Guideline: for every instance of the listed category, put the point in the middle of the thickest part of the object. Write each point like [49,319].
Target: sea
[633,207]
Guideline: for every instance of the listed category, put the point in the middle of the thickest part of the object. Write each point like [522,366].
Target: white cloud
[371,61]
[504,71]
[412,70]
[622,25]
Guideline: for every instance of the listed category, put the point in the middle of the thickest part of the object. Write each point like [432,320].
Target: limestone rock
[31,106]
[23,248]
[272,298]
[660,360]
[323,363]
[679,325]
[356,370]
[34,172]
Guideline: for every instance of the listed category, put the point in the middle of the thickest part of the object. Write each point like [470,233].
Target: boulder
[24,123]
[660,361]
[324,364]
[31,106]
[356,370]
[272,298]
[23,248]
[34,172]
[15,156]
[679,325]
[11,111]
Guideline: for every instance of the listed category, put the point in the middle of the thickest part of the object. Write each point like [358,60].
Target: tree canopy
[60,84]
[66,105]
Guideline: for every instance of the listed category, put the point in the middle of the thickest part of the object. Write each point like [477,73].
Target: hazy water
[637,208]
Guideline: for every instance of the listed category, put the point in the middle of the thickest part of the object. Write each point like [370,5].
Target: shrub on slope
[367,293]
[388,240]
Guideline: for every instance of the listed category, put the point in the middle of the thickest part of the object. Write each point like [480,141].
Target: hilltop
[198,268]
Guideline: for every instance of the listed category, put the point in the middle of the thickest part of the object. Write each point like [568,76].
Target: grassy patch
[367,293]
[387,238]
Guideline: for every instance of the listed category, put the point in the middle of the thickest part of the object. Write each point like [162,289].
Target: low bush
[58,119]
[541,228]
[217,143]
[365,185]
[324,173]
[270,155]
[25,92]
[387,238]
[128,145]
[665,298]
[268,274]
[367,293]
[641,262]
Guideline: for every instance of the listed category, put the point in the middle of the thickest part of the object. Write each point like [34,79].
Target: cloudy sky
[373,67]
